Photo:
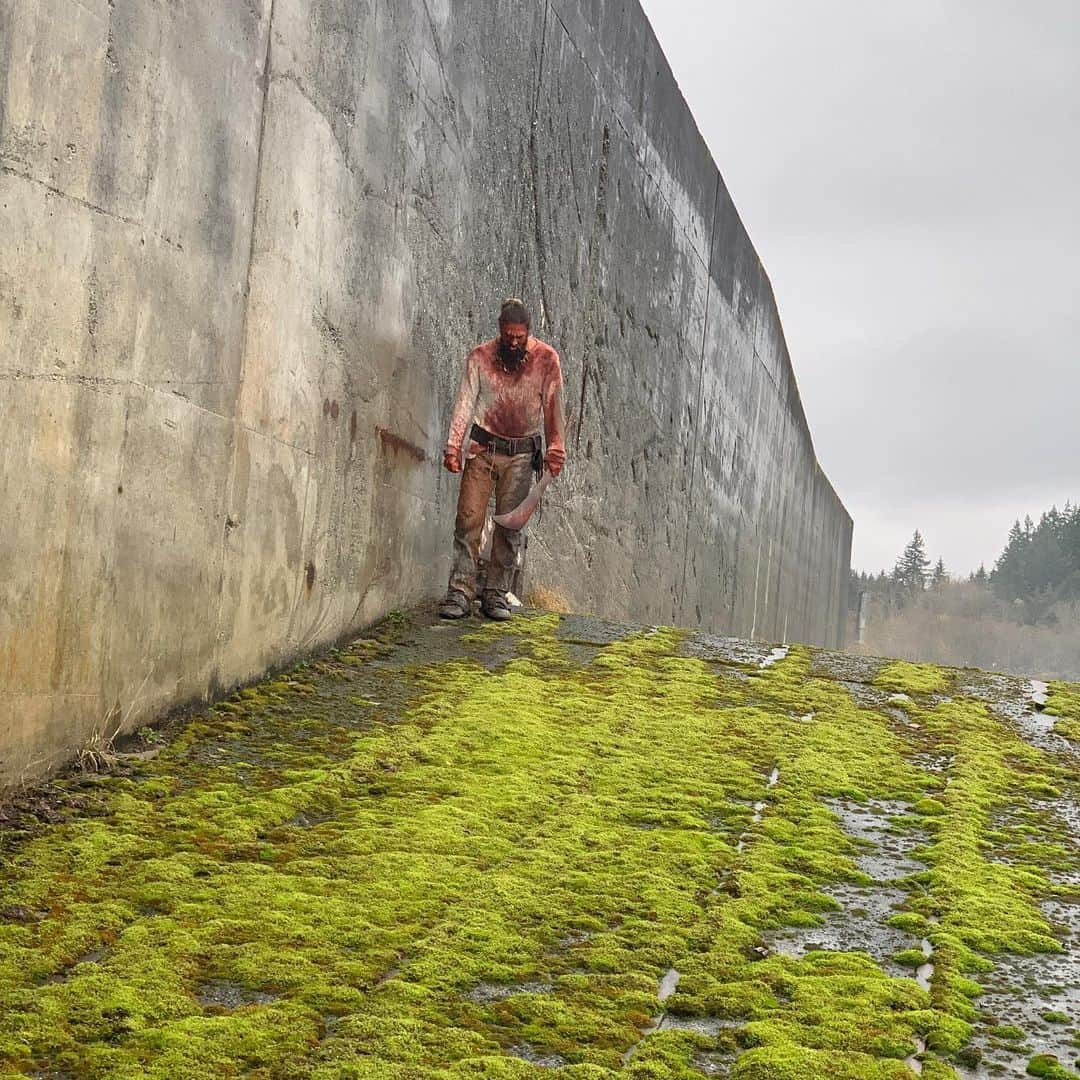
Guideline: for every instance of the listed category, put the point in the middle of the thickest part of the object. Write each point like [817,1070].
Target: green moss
[911,958]
[903,677]
[1046,1065]
[1055,1017]
[359,852]
[909,921]
[789,1063]
[1063,702]
[1068,729]
[1008,1033]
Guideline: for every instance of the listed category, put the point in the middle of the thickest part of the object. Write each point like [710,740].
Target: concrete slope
[561,848]
[247,248]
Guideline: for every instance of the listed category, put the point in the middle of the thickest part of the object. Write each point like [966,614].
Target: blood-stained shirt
[512,404]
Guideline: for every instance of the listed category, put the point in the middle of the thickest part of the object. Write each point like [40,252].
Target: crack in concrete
[78,200]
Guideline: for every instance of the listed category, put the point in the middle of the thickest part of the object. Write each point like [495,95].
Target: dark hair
[514,311]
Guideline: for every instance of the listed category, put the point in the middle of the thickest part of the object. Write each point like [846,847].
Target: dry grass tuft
[544,599]
[96,755]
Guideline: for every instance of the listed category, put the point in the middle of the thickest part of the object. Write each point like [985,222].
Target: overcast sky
[909,174]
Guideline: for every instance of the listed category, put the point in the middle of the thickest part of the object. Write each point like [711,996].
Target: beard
[511,358]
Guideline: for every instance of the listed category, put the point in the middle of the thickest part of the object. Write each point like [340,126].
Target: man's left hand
[554,459]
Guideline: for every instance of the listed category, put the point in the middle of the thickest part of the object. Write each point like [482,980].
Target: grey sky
[909,174]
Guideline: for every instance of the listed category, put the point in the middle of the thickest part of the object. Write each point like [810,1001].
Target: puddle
[21,914]
[222,994]
[1038,692]
[712,1062]
[846,667]
[589,631]
[774,657]
[536,1057]
[95,956]
[308,820]
[1019,703]
[759,810]
[865,695]
[1021,992]
[889,857]
[860,923]
[925,972]
[914,1062]
[710,1026]
[724,650]
[668,984]
[488,992]
[574,938]
[932,763]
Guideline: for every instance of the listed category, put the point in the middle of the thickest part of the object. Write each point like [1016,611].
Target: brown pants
[510,478]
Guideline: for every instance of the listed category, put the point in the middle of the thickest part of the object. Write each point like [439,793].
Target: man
[511,390]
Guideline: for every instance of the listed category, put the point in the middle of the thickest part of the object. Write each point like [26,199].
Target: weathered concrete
[246,248]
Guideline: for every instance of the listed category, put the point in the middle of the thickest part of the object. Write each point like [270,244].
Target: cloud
[908,174]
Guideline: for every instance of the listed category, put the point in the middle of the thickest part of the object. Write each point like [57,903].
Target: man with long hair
[506,427]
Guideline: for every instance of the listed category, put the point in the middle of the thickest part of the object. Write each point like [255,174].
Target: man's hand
[452,459]
[554,459]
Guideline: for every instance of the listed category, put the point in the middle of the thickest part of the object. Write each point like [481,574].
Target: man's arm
[461,418]
[555,455]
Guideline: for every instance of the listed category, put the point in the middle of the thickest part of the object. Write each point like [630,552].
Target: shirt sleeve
[465,406]
[553,405]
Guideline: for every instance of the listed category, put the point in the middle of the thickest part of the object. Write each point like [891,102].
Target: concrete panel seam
[639,159]
[52,189]
[701,383]
[256,187]
[534,175]
[526,177]
[296,594]
[446,84]
[82,694]
[105,383]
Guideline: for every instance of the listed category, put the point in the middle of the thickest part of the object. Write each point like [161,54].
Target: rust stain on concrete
[400,445]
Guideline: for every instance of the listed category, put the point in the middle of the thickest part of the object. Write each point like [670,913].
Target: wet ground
[561,848]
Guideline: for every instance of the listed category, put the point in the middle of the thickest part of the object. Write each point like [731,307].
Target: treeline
[1023,616]
[1040,566]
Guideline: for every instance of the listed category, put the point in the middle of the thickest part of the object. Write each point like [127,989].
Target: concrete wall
[246,246]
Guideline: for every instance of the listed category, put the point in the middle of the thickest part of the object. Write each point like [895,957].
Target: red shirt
[512,404]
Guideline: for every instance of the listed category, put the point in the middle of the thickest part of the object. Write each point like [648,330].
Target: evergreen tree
[940,577]
[980,577]
[909,574]
[1008,578]
[1040,564]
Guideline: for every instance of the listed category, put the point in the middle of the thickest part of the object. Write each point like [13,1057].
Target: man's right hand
[452,460]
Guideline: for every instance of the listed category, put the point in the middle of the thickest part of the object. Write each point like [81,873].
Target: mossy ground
[477,852]
[1064,703]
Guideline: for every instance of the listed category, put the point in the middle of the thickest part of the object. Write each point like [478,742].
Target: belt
[530,444]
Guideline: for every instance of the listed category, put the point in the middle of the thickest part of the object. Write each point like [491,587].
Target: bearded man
[511,391]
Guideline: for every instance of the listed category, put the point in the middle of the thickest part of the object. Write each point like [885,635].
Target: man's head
[513,333]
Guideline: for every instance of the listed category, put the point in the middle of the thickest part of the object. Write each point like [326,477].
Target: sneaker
[456,605]
[493,604]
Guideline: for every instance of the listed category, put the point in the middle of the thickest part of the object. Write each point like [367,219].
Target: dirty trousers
[511,479]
